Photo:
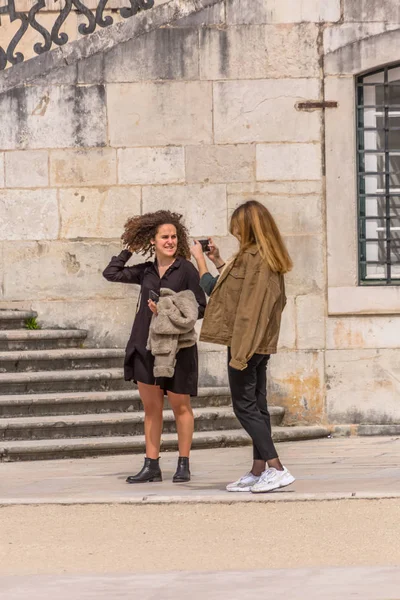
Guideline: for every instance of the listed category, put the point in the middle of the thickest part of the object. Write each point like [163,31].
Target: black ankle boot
[182,472]
[150,472]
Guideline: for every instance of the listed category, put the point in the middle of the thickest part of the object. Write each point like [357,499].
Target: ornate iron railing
[94,19]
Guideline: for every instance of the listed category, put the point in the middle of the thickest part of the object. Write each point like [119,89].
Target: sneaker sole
[242,489]
[281,485]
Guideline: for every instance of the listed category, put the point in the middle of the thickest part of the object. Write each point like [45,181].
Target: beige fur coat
[172,329]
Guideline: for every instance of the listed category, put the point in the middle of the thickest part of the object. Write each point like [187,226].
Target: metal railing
[11,56]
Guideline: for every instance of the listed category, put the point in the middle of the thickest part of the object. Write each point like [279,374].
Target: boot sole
[153,480]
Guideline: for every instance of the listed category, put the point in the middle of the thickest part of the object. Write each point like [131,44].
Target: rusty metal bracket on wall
[94,19]
[315,104]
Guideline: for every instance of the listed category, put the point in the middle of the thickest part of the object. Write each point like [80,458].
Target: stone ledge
[364,300]
[80,447]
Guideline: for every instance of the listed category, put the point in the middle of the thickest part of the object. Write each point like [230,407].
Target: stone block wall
[197,115]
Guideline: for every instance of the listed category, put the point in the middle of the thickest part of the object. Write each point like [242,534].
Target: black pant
[249,399]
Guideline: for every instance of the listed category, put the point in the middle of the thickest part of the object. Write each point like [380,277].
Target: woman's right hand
[213,254]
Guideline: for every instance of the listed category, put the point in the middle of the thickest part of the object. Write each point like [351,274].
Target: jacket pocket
[235,279]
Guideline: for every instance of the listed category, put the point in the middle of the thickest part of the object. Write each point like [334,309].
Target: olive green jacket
[245,308]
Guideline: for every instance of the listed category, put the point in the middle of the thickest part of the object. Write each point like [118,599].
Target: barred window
[378,140]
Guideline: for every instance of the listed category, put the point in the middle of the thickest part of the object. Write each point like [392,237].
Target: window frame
[364,279]
[342,64]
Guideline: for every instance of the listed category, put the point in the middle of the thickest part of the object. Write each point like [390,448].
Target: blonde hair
[253,224]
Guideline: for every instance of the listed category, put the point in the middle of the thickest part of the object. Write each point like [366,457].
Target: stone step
[75,448]
[112,424]
[60,359]
[89,380]
[75,403]
[40,339]
[15,319]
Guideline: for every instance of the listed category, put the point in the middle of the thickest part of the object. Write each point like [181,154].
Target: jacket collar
[252,250]
[175,265]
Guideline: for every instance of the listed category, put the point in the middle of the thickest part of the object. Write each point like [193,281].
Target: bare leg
[180,404]
[153,399]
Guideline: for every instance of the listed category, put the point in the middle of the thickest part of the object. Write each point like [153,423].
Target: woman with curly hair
[160,234]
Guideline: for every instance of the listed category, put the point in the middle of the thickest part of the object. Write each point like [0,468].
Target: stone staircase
[60,400]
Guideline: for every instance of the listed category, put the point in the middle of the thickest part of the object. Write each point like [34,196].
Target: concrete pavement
[286,584]
[324,469]
[80,524]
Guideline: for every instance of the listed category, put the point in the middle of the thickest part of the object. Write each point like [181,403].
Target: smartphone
[205,244]
[153,296]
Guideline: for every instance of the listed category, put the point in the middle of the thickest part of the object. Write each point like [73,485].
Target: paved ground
[325,469]
[299,584]
[94,536]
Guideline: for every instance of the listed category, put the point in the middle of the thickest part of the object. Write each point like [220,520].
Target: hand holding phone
[154,296]
[205,244]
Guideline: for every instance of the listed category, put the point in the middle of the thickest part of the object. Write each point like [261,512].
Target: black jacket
[181,275]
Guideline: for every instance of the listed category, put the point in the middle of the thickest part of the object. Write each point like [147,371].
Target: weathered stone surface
[101,41]
[289,161]
[293,214]
[69,270]
[363,332]
[362,55]
[53,117]
[27,168]
[310,319]
[287,336]
[281,11]
[213,370]
[2,169]
[97,212]
[112,330]
[338,36]
[28,215]
[363,386]
[265,111]
[220,163]
[83,167]
[295,381]
[359,300]
[275,188]
[162,54]
[292,50]
[204,206]
[1,275]
[151,165]
[234,53]
[370,10]
[341,184]
[307,277]
[67,75]
[145,114]
[213,15]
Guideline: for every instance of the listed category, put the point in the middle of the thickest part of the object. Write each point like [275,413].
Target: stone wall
[199,114]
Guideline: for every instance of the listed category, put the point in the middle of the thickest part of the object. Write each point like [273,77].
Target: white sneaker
[272,479]
[244,484]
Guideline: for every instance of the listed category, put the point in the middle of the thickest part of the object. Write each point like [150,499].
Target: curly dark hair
[141,229]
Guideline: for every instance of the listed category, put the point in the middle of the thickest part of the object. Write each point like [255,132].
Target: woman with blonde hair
[244,313]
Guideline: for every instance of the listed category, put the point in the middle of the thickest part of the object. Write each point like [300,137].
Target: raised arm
[193,282]
[117,272]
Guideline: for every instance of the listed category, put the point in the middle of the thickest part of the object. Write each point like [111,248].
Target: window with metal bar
[378,145]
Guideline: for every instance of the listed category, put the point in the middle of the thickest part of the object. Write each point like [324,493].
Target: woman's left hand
[153,307]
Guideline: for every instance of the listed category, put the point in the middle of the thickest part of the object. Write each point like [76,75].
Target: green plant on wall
[32,323]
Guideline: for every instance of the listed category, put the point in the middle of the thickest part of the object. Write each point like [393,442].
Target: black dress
[139,362]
